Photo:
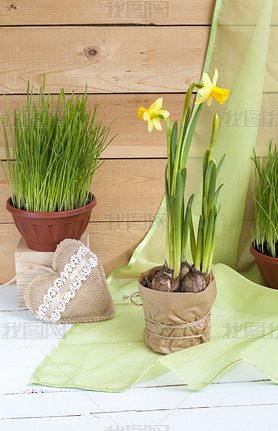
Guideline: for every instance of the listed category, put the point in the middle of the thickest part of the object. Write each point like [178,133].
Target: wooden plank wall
[125,51]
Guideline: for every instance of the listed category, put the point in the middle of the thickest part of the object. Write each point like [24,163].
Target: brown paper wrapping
[175,320]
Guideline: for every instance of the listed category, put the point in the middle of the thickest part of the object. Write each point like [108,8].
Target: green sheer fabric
[111,355]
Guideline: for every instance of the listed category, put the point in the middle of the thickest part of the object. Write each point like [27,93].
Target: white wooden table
[243,399]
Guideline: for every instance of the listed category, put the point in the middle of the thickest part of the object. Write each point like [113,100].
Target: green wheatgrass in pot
[265,240]
[52,154]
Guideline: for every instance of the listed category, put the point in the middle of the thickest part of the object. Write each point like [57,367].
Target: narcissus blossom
[153,115]
[209,91]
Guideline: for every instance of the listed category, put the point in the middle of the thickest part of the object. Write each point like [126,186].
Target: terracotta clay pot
[42,231]
[268,267]
[175,320]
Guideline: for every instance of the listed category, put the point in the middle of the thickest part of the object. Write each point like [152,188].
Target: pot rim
[263,257]
[54,214]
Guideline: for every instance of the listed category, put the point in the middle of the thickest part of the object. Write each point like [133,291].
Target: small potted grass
[51,158]
[265,240]
[177,296]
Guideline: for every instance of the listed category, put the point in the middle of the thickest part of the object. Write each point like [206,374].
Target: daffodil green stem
[179,220]
[185,231]
[168,135]
[199,246]
[176,178]
[189,135]
[192,236]
[182,140]
[202,250]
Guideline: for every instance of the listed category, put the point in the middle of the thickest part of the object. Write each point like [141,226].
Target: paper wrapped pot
[175,320]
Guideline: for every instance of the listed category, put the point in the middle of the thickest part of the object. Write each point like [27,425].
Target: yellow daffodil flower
[209,91]
[153,114]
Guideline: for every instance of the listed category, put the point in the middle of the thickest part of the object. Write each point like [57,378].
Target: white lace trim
[58,284]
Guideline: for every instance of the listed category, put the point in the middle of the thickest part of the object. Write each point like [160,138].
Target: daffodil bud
[214,132]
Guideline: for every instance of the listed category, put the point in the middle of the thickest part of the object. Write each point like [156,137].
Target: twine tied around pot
[150,321]
[133,295]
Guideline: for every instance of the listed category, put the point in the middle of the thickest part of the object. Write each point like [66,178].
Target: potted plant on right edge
[177,296]
[264,246]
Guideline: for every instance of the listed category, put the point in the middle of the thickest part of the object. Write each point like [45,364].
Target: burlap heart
[76,291]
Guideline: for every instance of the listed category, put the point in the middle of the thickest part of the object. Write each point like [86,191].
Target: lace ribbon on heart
[65,286]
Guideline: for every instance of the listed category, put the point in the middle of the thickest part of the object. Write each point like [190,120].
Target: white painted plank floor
[244,399]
